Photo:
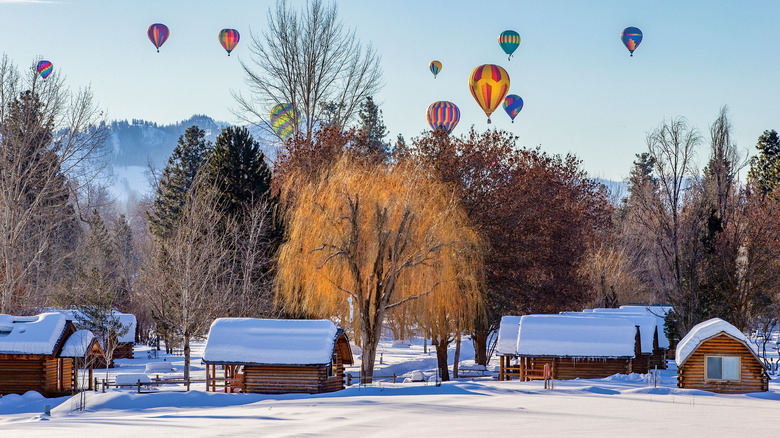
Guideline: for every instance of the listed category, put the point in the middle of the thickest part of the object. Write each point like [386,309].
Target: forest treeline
[438,236]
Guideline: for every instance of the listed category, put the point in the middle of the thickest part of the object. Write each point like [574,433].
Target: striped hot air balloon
[443,115]
[157,34]
[229,38]
[283,120]
[44,68]
[435,67]
[631,38]
[489,84]
[509,40]
[512,105]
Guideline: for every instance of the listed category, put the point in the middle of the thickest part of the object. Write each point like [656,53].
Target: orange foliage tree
[538,213]
[384,236]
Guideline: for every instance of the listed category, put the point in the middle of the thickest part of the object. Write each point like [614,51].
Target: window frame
[721,357]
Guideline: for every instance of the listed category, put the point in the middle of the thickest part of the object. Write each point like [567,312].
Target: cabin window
[333,364]
[722,368]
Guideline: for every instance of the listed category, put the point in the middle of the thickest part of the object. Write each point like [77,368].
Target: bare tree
[309,60]
[671,146]
[250,282]
[190,269]
[52,140]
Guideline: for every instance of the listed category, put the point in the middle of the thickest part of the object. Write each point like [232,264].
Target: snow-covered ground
[616,406]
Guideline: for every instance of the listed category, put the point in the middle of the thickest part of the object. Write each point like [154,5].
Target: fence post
[349,379]
[104,385]
[139,385]
[188,385]
[96,385]
[393,377]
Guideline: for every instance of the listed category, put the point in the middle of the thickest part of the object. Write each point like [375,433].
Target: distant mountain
[136,141]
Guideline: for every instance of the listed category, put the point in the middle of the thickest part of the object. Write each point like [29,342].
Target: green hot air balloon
[509,40]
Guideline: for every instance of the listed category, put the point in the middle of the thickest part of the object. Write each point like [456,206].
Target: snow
[77,345]
[647,325]
[507,336]
[126,320]
[270,341]
[31,334]
[570,336]
[657,312]
[703,331]
[617,405]
[132,378]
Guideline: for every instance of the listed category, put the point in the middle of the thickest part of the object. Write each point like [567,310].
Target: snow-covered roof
[655,309]
[271,341]
[647,325]
[571,336]
[127,320]
[78,344]
[657,312]
[703,331]
[507,336]
[31,334]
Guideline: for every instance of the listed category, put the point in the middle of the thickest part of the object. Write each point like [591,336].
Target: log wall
[124,351]
[45,374]
[753,377]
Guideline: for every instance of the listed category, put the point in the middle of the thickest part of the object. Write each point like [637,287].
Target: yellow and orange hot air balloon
[489,84]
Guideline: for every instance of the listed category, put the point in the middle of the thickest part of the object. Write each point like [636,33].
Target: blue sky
[582,91]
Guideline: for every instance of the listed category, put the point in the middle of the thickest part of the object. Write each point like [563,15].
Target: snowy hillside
[136,143]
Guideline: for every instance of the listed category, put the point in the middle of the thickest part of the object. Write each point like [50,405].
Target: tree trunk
[187,357]
[441,358]
[479,338]
[457,357]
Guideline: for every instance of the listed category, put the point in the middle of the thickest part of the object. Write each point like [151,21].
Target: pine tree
[126,259]
[372,126]
[176,180]
[98,289]
[765,167]
[237,169]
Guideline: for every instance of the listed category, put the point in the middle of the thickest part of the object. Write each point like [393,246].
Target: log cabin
[715,356]
[651,330]
[125,342]
[31,354]
[571,347]
[85,350]
[275,356]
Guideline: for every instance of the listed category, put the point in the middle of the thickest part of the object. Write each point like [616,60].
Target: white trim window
[722,368]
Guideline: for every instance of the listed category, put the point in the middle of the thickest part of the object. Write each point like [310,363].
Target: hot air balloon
[435,67]
[44,68]
[283,120]
[443,115]
[489,84]
[631,37]
[229,38]
[512,105]
[509,40]
[157,33]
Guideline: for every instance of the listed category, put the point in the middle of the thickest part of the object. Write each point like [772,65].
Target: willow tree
[384,236]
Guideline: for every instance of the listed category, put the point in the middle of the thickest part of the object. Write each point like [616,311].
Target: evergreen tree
[127,261]
[236,168]
[176,180]
[37,222]
[98,287]
[765,167]
[372,126]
